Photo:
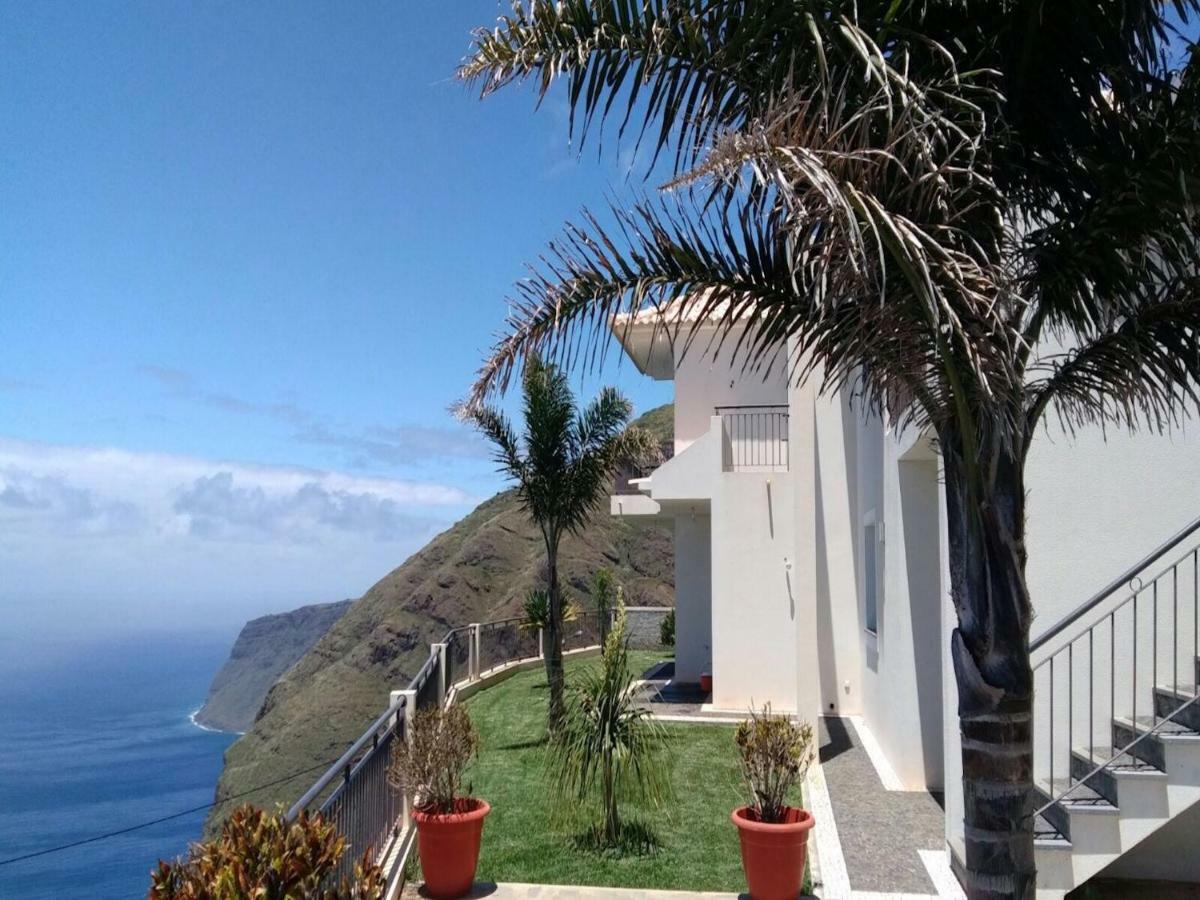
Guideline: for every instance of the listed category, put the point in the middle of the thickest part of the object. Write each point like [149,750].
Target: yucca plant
[608,748]
[536,610]
[970,213]
[263,856]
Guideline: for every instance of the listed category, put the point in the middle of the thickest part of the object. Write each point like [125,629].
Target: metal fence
[755,438]
[583,631]
[358,800]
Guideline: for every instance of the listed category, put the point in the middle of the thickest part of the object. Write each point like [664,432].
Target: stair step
[1126,731]
[1176,700]
[1045,832]
[1084,760]
[1081,799]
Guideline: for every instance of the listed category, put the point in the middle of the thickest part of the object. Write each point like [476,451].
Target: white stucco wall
[754,605]
[839,637]
[703,383]
[1097,505]
[902,671]
[693,597]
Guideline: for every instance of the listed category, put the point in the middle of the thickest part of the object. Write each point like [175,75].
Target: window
[871,574]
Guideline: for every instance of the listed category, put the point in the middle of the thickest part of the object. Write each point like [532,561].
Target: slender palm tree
[973,214]
[608,745]
[562,470]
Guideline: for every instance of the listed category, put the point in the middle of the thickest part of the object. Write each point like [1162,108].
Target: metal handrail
[1108,762]
[345,759]
[719,409]
[1116,585]
[338,768]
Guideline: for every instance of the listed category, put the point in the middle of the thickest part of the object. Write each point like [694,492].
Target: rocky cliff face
[480,569]
[265,648]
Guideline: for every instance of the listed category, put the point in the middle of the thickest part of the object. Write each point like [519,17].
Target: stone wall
[643,623]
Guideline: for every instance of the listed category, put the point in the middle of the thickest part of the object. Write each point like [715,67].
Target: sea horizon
[100,736]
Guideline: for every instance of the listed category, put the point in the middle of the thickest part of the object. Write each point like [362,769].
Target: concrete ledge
[518,891]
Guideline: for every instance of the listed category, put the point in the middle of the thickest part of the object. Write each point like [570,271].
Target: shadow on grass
[635,839]
[525,745]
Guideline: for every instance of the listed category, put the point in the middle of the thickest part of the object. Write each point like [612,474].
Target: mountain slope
[479,569]
[265,648]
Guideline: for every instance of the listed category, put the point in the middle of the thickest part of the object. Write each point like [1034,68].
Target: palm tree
[971,213]
[562,470]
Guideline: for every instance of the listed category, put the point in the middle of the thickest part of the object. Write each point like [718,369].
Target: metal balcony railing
[755,438]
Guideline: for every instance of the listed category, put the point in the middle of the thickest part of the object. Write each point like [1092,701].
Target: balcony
[754,438]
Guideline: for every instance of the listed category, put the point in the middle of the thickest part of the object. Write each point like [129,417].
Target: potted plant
[449,822]
[775,754]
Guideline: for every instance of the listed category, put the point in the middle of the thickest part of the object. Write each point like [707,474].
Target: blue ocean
[96,737]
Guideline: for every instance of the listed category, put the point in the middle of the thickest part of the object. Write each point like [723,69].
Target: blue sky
[252,254]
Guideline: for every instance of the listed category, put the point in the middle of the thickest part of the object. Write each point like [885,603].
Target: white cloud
[102,536]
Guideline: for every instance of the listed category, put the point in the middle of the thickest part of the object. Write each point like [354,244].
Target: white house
[811,573]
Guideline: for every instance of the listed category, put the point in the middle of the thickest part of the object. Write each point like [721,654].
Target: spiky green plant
[536,609]
[562,469]
[970,213]
[603,592]
[608,748]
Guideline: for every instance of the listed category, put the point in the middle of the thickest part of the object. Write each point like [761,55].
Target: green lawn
[521,842]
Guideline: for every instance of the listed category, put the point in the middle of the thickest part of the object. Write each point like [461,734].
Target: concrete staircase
[1152,776]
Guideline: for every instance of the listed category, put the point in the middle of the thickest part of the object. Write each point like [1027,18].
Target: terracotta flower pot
[705,683]
[773,854]
[449,847]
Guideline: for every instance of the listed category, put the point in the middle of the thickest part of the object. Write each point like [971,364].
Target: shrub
[775,754]
[607,746]
[264,857]
[431,765]
[666,630]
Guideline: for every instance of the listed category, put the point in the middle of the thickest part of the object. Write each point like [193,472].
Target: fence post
[541,644]
[473,653]
[410,707]
[439,650]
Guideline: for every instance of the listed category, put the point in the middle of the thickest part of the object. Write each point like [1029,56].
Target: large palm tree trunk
[552,641]
[985,504]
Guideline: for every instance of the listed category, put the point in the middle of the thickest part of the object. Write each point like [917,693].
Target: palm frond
[694,68]
[496,427]
[1145,369]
